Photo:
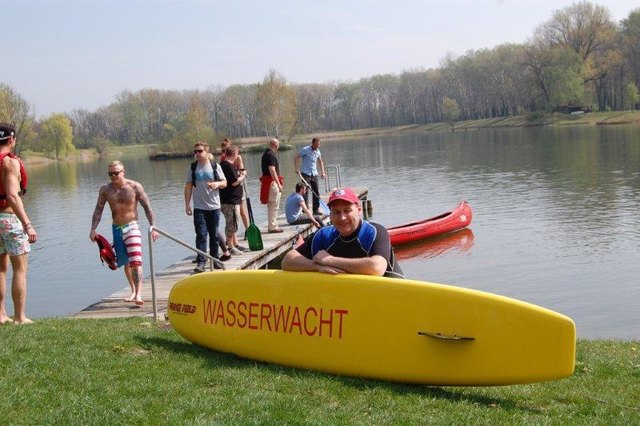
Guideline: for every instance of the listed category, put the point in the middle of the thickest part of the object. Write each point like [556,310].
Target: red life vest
[107,255]
[23,179]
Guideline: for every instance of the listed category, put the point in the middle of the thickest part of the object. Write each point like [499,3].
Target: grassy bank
[128,371]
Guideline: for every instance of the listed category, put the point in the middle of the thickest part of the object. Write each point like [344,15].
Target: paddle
[323,205]
[254,237]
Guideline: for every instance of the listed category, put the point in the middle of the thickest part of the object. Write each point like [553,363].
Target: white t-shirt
[205,198]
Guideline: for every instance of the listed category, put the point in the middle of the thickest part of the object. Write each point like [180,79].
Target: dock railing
[212,261]
[334,172]
[332,169]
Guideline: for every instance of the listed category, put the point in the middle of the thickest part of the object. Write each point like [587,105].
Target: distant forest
[580,59]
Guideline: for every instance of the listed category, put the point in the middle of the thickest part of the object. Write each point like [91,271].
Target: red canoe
[459,218]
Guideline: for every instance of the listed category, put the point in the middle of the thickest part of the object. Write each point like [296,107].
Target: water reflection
[453,244]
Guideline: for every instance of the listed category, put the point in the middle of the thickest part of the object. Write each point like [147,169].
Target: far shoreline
[249,143]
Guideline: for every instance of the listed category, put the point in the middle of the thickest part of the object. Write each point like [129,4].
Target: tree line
[579,58]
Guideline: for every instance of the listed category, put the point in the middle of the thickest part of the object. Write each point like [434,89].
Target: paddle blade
[324,207]
[254,237]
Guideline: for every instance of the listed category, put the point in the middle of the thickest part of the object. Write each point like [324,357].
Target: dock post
[153,276]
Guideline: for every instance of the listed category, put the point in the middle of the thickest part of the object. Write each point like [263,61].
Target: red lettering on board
[341,312]
[282,319]
[306,321]
[309,321]
[242,311]
[328,322]
[252,314]
[231,307]
[295,320]
[208,311]
[220,313]
[265,317]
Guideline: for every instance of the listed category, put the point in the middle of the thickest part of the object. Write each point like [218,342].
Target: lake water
[555,217]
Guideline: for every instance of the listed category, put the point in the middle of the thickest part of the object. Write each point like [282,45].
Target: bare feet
[5,320]
[23,321]
[139,302]
[131,298]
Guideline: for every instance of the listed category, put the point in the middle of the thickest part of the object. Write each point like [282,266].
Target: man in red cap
[349,245]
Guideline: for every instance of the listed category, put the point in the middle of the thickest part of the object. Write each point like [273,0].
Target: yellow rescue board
[381,328]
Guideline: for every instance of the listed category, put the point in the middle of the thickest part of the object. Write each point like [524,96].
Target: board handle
[441,336]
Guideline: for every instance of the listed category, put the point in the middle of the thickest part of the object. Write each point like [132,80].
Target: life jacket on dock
[23,179]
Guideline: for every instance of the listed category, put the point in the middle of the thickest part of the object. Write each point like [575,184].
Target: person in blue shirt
[350,245]
[203,185]
[306,164]
[295,206]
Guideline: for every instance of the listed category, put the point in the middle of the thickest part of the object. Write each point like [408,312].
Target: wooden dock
[275,245]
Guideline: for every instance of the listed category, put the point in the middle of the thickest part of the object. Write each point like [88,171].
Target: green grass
[129,371]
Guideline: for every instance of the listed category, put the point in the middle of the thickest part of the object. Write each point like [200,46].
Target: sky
[70,54]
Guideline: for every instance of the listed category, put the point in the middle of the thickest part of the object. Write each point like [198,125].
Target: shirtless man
[123,196]
[16,231]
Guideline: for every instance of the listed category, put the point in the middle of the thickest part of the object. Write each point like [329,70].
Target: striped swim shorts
[127,243]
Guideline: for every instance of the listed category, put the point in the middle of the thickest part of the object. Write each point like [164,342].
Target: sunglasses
[198,151]
[114,173]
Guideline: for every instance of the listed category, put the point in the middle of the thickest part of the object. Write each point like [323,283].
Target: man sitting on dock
[349,245]
[296,205]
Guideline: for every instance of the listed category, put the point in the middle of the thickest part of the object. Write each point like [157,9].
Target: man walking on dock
[204,181]
[123,196]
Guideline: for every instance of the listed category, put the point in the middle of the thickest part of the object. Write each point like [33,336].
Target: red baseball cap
[344,194]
